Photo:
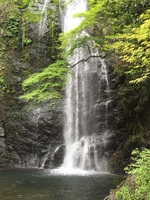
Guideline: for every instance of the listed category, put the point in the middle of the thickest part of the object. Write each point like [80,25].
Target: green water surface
[39,184]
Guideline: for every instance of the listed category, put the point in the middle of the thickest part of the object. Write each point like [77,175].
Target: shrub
[139,189]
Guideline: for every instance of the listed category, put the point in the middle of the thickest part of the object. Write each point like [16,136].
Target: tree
[134,49]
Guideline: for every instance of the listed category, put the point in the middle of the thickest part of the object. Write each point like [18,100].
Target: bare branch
[84,60]
[102,55]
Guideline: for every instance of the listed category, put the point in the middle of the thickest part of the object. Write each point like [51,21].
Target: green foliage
[139,169]
[30,16]
[22,4]
[124,193]
[1,80]
[46,85]
[11,26]
[134,50]
[16,16]
[26,41]
[9,23]
[3,84]
[104,18]
[132,99]
[7,7]
[74,38]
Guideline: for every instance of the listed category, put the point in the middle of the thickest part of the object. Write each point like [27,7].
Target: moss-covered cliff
[27,133]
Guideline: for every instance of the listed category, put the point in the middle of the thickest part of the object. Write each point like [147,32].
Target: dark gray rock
[30,133]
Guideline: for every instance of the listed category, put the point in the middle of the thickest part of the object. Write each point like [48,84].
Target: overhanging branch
[102,56]
[84,60]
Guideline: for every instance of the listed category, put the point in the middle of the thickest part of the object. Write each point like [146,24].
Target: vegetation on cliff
[16,43]
[137,185]
[12,38]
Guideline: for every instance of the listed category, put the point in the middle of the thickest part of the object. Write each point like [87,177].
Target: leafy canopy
[134,50]
[104,18]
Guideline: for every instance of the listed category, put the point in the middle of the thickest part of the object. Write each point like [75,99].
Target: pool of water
[39,184]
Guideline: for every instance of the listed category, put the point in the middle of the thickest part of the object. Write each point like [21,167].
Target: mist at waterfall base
[39,184]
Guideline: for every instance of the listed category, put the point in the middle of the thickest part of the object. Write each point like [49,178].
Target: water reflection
[35,184]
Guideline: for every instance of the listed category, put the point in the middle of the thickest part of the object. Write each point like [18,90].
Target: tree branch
[85,60]
[102,56]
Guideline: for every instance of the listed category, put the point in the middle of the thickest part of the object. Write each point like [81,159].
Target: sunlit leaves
[134,49]
[105,19]
[139,187]
[22,4]
[46,85]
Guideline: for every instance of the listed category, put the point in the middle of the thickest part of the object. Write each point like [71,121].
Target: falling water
[43,30]
[43,18]
[86,103]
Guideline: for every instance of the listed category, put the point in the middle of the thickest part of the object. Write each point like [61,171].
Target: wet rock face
[55,159]
[30,136]
[33,135]
[4,154]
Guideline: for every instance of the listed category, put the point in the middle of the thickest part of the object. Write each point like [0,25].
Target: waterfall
[86,112]
[42,30]
[43,18]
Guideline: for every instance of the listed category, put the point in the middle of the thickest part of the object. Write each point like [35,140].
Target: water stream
[86,103]
[43,19]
